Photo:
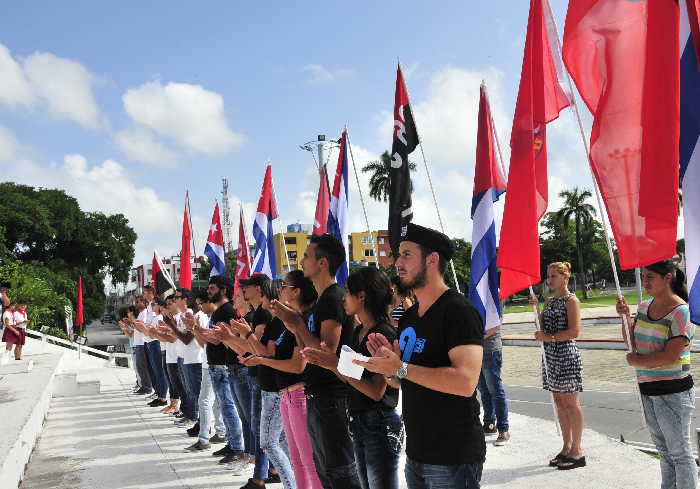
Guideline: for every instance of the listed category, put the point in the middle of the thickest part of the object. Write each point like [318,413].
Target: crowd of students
[258,372]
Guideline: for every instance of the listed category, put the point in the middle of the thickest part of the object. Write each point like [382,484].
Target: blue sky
[127,104]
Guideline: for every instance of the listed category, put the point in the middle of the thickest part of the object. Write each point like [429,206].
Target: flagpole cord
[432,189]
[627,332]
[362,199]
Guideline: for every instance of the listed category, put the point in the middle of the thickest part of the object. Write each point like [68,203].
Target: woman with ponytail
[377,430]
[662,335]
[562,373]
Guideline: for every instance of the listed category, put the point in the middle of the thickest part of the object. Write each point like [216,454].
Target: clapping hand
[251,360]
[386,357]
[323,356]
[240,326]
[291,318]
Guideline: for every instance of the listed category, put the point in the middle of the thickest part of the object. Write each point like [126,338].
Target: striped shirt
[397,312]
[651,336]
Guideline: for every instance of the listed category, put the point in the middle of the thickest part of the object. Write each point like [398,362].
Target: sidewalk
[112,440]
[586,313]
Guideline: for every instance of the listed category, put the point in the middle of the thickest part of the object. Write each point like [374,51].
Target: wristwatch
[402,371]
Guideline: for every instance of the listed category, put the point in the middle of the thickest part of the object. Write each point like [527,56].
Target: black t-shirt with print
[441,429]
[284,350]
[221,354]
[329,306]
[357,401]
[266,375]
[255,318]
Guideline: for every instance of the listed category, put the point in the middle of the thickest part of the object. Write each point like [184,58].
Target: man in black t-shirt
[436,361]
[327,402]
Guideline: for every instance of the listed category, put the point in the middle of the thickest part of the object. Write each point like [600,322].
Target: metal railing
[88,350]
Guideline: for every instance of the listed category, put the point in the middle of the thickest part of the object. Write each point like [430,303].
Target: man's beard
[418,281]
[217,297]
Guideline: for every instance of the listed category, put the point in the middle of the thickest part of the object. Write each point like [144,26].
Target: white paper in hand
[345,365]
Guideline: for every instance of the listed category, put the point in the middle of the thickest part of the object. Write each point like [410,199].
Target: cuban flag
[215,245]
[489,184]
[689,151]
[264,259]
[338,214]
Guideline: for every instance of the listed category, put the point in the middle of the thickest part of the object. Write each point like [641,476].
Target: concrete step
[68,384]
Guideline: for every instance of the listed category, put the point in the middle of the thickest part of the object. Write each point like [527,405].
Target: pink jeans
[293,408]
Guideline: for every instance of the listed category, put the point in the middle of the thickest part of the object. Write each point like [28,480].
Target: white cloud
[189,114]
[140,144]
[62,85]
[14,89]
[9,146]
[319,74]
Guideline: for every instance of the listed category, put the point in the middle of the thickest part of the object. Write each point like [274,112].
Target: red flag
[323,203]
[541,97]
[243,256]
[185,257]
[623,57]
[79,309]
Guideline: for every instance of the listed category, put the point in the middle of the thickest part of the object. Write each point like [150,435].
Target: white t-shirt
[148,321]
[8,316]
[172,350]
[138,335]
[19,317]
[152,323]
[183,329]
[204,324]
[193,353]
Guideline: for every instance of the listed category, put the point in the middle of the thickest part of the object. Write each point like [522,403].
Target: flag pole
[189,216]
[535,308]
[362,200]
[245,233]
[626,327]
[284,242]
[430,182]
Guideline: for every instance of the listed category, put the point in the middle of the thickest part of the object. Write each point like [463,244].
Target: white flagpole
[430,180]
[627,328]
[245,237]
[535,308]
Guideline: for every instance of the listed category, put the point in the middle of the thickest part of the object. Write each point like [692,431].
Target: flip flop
[557,458]
[571,463]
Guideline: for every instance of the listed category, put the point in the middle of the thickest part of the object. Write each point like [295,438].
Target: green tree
[379,181]
[462,261]
[577,209]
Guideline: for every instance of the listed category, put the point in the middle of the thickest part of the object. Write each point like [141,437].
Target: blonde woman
[563,375]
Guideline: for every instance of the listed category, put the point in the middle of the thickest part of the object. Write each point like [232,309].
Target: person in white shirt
[140,360]
[153,350]
[10,334]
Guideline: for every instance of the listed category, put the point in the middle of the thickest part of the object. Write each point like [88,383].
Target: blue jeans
[238,378]
[155,370]
[222,390]
[428,476]
[493,397]
[193,385]
[250,399]
[377,437]
[209,410]
[668,419]
[141,364]
[186,394]
[272,440]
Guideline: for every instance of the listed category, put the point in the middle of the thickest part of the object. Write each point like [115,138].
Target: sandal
[557,458]
[571,463]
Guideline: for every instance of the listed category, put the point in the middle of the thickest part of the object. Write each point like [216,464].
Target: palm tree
[575,207]
[379,181]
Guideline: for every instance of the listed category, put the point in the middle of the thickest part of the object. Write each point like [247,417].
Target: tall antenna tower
[227,219]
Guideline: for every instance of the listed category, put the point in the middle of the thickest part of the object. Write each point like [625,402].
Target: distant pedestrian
[661,341]
[11,334]
[402,300]
[562,373]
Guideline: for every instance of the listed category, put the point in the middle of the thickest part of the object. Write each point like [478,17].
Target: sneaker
[184,423]
[273,479]
[178,414]
[153,395]
[231,458]
[217,438]
[503,437]
[490,429]
[198,446]
[252,485]
[157,403]
[227,450]
[142,392]
[194,431]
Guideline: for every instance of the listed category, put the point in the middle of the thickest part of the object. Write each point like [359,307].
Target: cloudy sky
[125,105]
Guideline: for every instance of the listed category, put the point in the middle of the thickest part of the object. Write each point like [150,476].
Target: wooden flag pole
[626,327]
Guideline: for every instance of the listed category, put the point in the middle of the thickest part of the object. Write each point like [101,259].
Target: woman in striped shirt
[662,336]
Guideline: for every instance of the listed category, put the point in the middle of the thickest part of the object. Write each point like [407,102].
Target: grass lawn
[594,300]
